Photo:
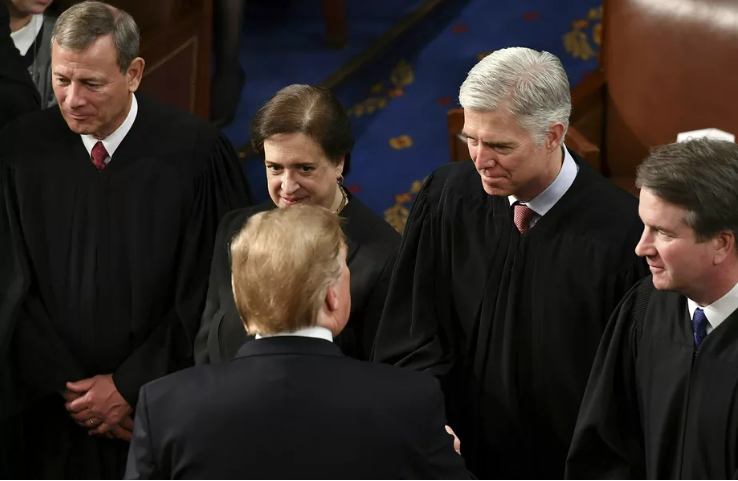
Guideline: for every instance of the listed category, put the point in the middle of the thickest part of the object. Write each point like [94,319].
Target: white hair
[532,84]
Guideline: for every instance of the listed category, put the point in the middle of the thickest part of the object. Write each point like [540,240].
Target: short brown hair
[283,262]
[310,110]
[700,175]
[80,25]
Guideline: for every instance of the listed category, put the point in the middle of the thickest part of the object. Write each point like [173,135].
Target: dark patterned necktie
[522,215]
[699,323]
[99,154]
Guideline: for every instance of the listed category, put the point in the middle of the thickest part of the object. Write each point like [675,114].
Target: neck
[337,199]
[18,21]
[716,286]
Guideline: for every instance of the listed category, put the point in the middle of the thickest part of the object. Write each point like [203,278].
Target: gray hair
[533,84]
[700,175]
[80,25]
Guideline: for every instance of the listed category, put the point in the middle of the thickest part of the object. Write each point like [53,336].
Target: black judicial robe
[372,249]
[114,266]
[509,323]
[655,408]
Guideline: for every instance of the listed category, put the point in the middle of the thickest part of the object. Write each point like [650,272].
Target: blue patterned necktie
[699,322]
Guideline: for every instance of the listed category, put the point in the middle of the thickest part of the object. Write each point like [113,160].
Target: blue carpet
[398,106]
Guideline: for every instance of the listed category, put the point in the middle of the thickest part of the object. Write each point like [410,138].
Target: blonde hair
[282,263]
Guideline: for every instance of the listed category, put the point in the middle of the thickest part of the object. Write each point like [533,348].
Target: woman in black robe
[304,136]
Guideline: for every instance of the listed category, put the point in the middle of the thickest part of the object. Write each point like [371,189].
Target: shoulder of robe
[164,120]
[366,227]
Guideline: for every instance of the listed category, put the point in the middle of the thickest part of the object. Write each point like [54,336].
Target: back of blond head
[283,262]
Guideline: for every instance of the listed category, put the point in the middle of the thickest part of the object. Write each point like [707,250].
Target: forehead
[656,211]
[99,58]
[495,125]
[292,147]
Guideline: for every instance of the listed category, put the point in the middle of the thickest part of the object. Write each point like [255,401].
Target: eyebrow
[488,143]
[83,79]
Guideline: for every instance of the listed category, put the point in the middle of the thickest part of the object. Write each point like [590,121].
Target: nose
[645,247]
[75,97]
[289,184]
[483,157]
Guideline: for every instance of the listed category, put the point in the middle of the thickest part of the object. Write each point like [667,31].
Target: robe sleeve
[410,332]
[44,363]
[608,438]
[207,348]
[221,187]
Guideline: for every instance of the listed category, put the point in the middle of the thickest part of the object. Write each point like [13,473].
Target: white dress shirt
[315,332]
[545,201]
[718,311]
[112,141]
[24,37]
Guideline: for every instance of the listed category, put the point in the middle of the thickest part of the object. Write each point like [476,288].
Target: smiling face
[298,171]
[93,95]
[677,261]
[506,156]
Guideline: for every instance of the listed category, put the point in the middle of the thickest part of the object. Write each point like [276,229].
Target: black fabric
[372,248]
[18,95]
[110,267]
[510,323]
[655,408]
[293,408]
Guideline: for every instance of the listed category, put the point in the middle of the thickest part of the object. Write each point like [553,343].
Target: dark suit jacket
[372,248]
[292,408]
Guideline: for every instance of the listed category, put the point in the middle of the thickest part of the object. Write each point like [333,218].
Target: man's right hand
[457,443]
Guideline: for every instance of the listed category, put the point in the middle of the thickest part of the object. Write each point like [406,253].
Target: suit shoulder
[399,382]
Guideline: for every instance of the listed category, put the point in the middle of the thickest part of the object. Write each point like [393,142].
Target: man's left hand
[99,400]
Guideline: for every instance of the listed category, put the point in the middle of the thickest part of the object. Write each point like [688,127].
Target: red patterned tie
[522,215]
[99,154]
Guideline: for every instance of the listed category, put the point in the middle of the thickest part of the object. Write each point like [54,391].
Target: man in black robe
[503,286]
[112,201]
[661,403]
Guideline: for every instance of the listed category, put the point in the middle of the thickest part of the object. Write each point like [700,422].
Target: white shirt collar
[545,201]
[23,38]
[719,310]
[112,141]
[316,332]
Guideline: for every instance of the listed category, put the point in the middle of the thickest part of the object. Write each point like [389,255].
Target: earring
[340,179]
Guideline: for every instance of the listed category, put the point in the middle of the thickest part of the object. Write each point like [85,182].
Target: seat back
[669,67]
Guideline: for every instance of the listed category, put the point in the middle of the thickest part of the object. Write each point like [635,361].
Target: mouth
[293,200]
[655,269]
[79,117]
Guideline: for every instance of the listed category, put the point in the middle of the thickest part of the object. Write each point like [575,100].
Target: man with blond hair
[290,405]
[113,200]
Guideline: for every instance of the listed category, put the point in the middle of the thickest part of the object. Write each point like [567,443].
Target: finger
[69,396]
[82,416]
[127,423]
[81,386]
[101,429]
[120,433]
[78,405]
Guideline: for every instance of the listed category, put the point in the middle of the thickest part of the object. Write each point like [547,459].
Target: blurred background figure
[17,92]
[291,406]
[305,138]
[228,76]
[31,33]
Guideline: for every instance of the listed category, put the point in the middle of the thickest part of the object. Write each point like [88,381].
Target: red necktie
[522,215]
[99,154]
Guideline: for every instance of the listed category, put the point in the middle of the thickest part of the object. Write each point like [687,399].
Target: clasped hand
[96,404]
